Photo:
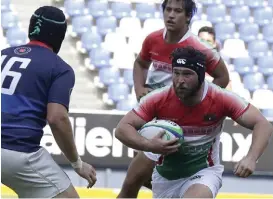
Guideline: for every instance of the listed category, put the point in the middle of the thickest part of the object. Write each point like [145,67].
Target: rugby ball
[152,128]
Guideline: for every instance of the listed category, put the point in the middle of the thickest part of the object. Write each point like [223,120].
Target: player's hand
[142,92]
[159,146]
[87,172]
[245,167]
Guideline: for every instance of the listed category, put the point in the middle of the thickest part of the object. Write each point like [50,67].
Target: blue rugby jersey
[32,76]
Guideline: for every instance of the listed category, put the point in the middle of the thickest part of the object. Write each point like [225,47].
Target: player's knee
[70,192]
[198,191]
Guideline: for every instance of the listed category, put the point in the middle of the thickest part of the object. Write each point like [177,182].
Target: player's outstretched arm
[140,72]
[58,120]
[262,131]
[220,75]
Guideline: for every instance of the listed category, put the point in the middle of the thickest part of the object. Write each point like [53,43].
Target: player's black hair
[188,5]
[209,30]
[48,25]
[194,60]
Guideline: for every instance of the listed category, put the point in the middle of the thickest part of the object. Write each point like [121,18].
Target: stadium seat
[74,8]
[263,16]
[113,41]
[129,26]
[108,76]
[106,24]
[90,40]
[240,14]
[233,3]
[270,82]
[145,10]
[248,31]
[254,3]
[128,77]
[121,9]
[98,8]
[198,14]
[81,24]
[258,48]
[268,33]
[8,20]
[268,113]
[235,80]
[234,48]
[209,2]
[253,81]
[124,57]
[100,58]
[265,65]
[196,25]
[16,37]
[152,24]
[225,30]
[216,13]
[244,65]
[262,99]
[244,93]
[270,3]
[126,104]
[135,42]
[5,6]
[117,92]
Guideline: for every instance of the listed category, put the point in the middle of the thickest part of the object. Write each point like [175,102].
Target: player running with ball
[193,168]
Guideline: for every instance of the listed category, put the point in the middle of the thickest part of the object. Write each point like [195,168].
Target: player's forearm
[62,132]
[139,76]
[260,139]
[221,81]
[130,137]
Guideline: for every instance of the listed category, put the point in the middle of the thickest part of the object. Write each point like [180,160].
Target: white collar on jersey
[186,36]
[206,88]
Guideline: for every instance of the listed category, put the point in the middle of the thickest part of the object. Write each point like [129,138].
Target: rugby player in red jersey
[191,169]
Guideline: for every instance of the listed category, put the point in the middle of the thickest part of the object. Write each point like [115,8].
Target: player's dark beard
[188,96]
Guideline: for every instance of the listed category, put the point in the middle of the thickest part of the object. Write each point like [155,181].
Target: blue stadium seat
[263,16]
[108,76]
[128,77]
[145,10]
[100,58]
[268,113]
[121,9]
[5,6]
[90,40]
[98,8]
[270,82]
[74,8]
[8,20]
[16,37]
[225,30]
[265,65]
[248,31]
[253,81]
[216,13]
[209,2]
[117,92]
[268,33]
[270,3]
[81,24]
[233,3]
[126,104]
[254,3]
[240,14]
[244,65]
[106,24]
[258,48]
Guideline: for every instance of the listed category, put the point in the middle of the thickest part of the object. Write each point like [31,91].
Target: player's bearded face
[185,82]
[174,14]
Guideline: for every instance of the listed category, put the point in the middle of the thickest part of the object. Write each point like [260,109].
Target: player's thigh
[204,184]
[70,192]
[38,172]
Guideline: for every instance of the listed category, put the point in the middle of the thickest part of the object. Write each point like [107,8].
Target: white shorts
[32,175]
[163,188]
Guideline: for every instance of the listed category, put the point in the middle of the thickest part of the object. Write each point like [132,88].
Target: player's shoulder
[155,35]
[157,95]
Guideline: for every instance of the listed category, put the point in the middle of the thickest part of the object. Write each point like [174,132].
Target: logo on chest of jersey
[162,66]
[210,117]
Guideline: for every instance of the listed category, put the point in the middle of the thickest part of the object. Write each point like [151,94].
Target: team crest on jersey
[210,117]
[22,50]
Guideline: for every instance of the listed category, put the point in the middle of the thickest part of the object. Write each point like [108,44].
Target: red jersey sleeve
[145,50]
[234,105]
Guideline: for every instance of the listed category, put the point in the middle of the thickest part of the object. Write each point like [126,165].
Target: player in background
[35,89]
[190,169]
[208,34]
[158,46]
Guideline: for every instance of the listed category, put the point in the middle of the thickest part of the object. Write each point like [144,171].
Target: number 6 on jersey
[6,71]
